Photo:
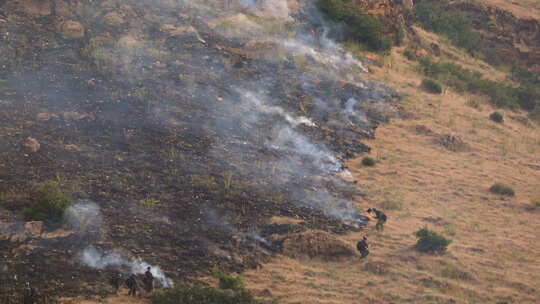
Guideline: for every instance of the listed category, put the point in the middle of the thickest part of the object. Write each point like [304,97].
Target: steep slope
[419,182]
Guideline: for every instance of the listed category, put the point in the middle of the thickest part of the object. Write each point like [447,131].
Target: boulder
[113,19]
[72,30]
[37,7]
[24,250]
[31,144]
[34,228]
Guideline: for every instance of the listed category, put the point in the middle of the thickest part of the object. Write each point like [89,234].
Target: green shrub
[201,295]
[432,86]
[496,117]
[50,202]
[368,161]
[501,189]
[359,26]
[227,281]
[430,241]
[435,16]
[409,55]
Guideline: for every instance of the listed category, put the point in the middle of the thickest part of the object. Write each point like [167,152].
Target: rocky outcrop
[395,15]
[505,34]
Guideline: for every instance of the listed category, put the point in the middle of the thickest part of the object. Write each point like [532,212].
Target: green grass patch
[359,26]
[502,189]
[49,205]
[430,241]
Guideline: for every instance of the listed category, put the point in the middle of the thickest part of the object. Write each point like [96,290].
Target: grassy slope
[494,256]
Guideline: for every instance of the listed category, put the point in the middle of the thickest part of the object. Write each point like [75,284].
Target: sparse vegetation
[535,201]
[502,189]
[359,26]
[231,291]
[453,272]
[50,202]
[368,161]
[432,86]
[496,117]
[430,241]
[464,80]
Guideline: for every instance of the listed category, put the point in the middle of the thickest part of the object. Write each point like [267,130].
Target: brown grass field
[494,256]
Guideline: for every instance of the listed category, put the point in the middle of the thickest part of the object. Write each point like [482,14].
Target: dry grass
[494,254]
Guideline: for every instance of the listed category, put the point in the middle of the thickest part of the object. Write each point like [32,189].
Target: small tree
[430,241]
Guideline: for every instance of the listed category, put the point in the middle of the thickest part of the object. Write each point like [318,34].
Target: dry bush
[316,244]
[451,142]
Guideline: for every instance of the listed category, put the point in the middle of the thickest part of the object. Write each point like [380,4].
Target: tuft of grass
[50,202]
[149,203]
[496,117]
[201,295]
[358,25]
[432,86]
[368,161]
[502,189]
[430,241]
[453,272]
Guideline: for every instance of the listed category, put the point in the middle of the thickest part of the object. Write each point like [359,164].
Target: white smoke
[84,216]
[94,258]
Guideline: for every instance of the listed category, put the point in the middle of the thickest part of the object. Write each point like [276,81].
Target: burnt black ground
[168,132]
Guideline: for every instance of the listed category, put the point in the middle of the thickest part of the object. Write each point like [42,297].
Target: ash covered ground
[179,127]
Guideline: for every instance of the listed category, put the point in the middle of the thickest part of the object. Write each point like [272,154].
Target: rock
[435,49]
[72,148]
[24,250]
[62,8]
[18,237]
[76,115]
[113,19]
[37,7]
[34,228]
[420,53]
[58,233]
[72,30]
[31,144]
[45,116]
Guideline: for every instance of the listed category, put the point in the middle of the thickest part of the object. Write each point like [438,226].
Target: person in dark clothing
[116,281]
[148,280]
[362,247]
[380,216]
[132,284]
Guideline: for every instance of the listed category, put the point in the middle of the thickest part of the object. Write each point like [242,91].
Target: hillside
[197,136]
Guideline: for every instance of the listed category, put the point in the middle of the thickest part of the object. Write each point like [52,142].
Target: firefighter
[380,216]
[132,284]
[362,247]
[148,280]
[116,281]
